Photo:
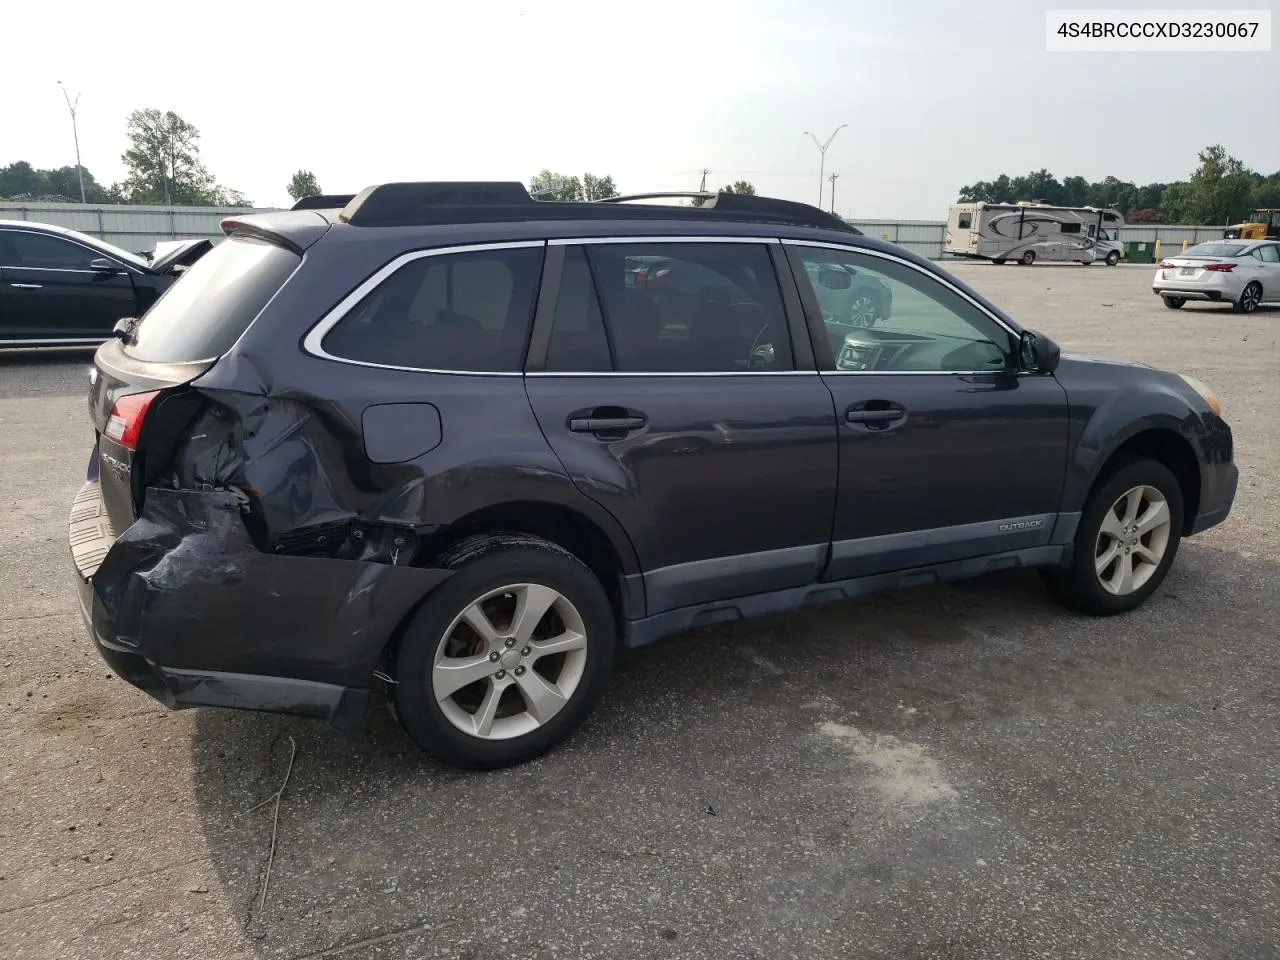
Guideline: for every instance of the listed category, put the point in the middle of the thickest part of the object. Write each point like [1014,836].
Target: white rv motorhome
[1027,232]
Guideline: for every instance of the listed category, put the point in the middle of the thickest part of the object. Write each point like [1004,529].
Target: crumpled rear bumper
[183,606]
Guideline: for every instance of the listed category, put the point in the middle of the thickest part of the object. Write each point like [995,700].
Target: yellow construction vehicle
[1260,224]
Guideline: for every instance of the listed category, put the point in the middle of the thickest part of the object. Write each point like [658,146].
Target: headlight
[1205,393]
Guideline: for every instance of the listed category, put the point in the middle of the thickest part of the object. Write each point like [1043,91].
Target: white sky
[936,93]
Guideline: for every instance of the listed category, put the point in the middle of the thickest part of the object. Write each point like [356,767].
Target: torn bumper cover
[184,606]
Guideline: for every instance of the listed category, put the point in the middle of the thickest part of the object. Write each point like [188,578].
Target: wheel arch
[1165,446]
[562,526]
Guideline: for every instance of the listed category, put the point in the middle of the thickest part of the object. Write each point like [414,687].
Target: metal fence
[139,228]
[133,228]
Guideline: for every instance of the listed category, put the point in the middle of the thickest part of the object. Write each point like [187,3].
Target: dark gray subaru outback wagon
[465,443]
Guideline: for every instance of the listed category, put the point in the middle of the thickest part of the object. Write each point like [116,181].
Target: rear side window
[669,308]
[466,312]
[213,302]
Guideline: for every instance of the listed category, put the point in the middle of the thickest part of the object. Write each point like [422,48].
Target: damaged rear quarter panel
[273,544]
[187,588]
[293,423]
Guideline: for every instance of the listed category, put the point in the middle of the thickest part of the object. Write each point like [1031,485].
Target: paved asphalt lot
[962,772]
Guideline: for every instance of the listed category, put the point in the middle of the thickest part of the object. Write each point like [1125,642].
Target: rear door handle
[605,424]
[874,416]
[27,286]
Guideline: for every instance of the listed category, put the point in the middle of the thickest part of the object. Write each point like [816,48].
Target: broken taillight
[125,422]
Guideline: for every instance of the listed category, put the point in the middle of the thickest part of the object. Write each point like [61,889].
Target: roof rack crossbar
[679,194]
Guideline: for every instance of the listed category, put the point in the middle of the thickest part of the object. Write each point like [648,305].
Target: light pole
[822,150]
[75,133]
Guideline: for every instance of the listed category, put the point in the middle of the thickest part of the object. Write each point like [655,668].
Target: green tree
[21,179]
[164,165]
[1075,191]
[1173,203]
[303,183]
[598,188]
[1266,192]
[1220,188]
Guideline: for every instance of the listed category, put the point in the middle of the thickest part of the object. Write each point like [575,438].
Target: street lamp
[822,149]
[75,133]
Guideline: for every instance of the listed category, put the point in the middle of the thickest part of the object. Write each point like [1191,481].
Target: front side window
[41,251]
[669,308]
[466,312]
[919,325]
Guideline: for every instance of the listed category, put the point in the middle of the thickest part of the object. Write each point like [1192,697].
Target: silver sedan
[1243,273]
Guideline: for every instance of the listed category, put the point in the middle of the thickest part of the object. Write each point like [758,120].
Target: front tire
[1126,541]
[1174,303]
[1250,297]
[507,657]
[1113,258]
[1028,258]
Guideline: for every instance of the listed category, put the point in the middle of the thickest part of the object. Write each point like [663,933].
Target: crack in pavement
[101,886]
[373,941]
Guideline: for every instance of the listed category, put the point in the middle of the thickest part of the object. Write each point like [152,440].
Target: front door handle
[874,416]
[27,286]
[605,424]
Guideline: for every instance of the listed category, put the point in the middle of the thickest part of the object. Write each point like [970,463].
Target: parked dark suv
[444,438]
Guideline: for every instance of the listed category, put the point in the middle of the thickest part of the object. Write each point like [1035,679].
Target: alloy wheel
[510,661]
[1132,540]
[1250,298]
[862,312]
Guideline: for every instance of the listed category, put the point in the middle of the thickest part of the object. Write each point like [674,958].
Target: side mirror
[835,279]
[1037,353]
[105,266]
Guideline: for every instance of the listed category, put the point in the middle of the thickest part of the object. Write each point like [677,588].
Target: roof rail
[328,201]
[423,204]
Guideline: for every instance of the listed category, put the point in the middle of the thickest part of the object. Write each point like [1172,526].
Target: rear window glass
[465,312]
[1212,250]
[213,302]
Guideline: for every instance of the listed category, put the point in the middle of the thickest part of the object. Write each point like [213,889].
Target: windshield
[1210,250]
[213,302]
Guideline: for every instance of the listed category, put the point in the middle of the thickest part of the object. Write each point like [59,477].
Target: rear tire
[511,712]
[1127,539]
[1174,303]
[1028,258]
[1250,297]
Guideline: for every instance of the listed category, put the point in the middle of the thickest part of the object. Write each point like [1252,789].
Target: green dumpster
[1140,251]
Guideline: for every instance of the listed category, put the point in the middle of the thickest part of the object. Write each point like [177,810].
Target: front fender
[1112,403]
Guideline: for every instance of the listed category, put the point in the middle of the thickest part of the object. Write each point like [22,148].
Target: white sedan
[1243,273]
